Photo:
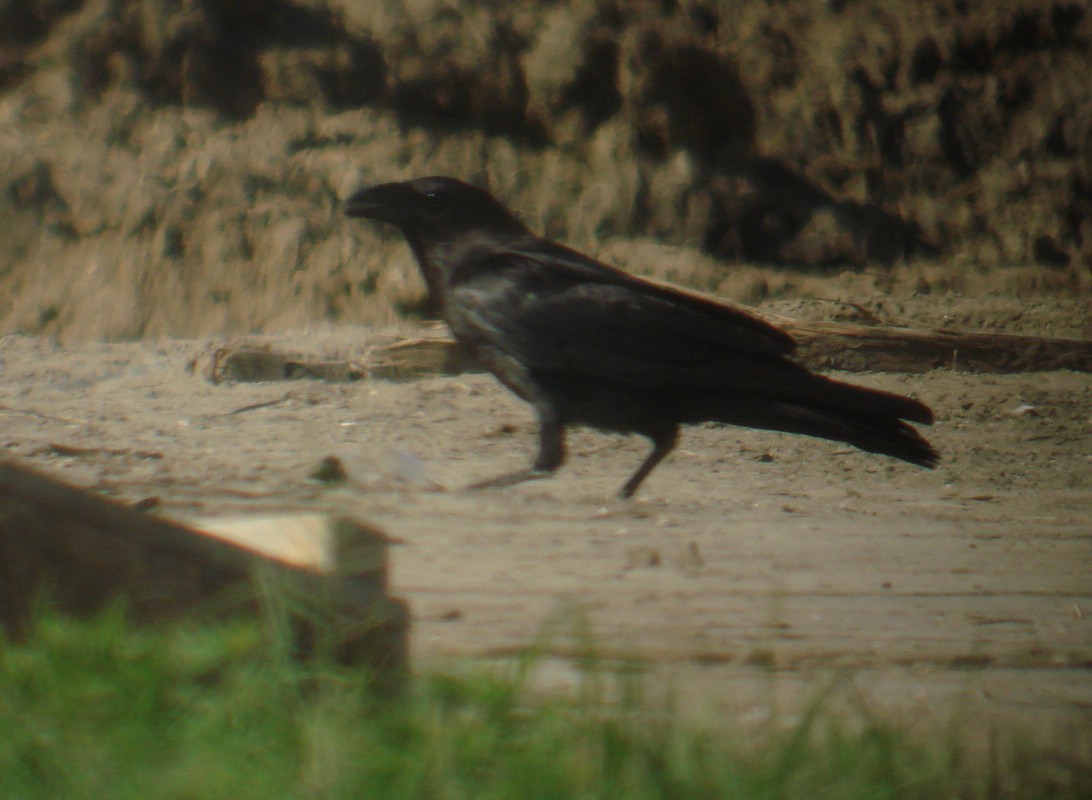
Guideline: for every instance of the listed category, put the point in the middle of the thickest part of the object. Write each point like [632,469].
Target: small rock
[1023,410]
[329,470]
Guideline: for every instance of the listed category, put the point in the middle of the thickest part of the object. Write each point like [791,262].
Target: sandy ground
[753,569]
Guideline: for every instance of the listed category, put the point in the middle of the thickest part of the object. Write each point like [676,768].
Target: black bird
[587,344]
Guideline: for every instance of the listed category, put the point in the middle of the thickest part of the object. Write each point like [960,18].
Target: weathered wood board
[78,551]
[820,346]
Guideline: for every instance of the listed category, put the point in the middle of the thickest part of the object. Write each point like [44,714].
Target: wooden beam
[859,348]
[866,348]
[821,345]
[78,552]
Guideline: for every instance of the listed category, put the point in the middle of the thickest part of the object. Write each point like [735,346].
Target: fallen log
[867,348]
[327,576]
[249,363]
[863,348]
[402,360]
[820,345]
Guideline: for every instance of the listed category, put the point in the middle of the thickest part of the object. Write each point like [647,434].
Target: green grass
[96,709]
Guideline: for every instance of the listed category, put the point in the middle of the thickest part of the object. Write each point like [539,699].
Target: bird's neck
[432,262]
[438,256]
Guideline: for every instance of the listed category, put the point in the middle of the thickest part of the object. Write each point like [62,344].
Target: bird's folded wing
[606,324]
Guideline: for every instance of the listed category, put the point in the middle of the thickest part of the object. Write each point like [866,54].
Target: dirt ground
[752,570]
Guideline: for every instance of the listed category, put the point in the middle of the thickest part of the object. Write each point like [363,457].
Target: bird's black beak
[387,202]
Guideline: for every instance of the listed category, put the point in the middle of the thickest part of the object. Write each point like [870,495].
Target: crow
[588,344]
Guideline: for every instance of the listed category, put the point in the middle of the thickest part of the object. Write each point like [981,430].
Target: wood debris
[79,552]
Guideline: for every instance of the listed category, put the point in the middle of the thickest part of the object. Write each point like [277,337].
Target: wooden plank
[403,360]
[865,348]
[861,348]
[250,363]
[821,345]
[80,551]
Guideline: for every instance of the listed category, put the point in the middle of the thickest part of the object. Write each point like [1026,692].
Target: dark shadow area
[695,99]
[211,55]
[23,25]
[594,91]
[447,98]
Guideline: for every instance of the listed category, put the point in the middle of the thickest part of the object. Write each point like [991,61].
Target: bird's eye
[432,195]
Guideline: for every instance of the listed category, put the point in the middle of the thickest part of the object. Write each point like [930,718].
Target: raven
[587,344]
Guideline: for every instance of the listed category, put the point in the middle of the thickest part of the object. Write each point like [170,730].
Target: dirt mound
[180,165]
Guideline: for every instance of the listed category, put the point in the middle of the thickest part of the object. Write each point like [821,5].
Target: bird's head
[436,209]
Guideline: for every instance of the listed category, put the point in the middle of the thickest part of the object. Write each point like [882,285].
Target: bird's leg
[662,444]
[551,454]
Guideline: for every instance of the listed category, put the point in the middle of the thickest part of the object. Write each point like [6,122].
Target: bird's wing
[557,310]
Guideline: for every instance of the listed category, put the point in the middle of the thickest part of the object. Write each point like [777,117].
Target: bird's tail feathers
[846,398]
[874,433]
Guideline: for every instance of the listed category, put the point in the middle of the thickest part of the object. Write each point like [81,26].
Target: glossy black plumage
[585,343]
